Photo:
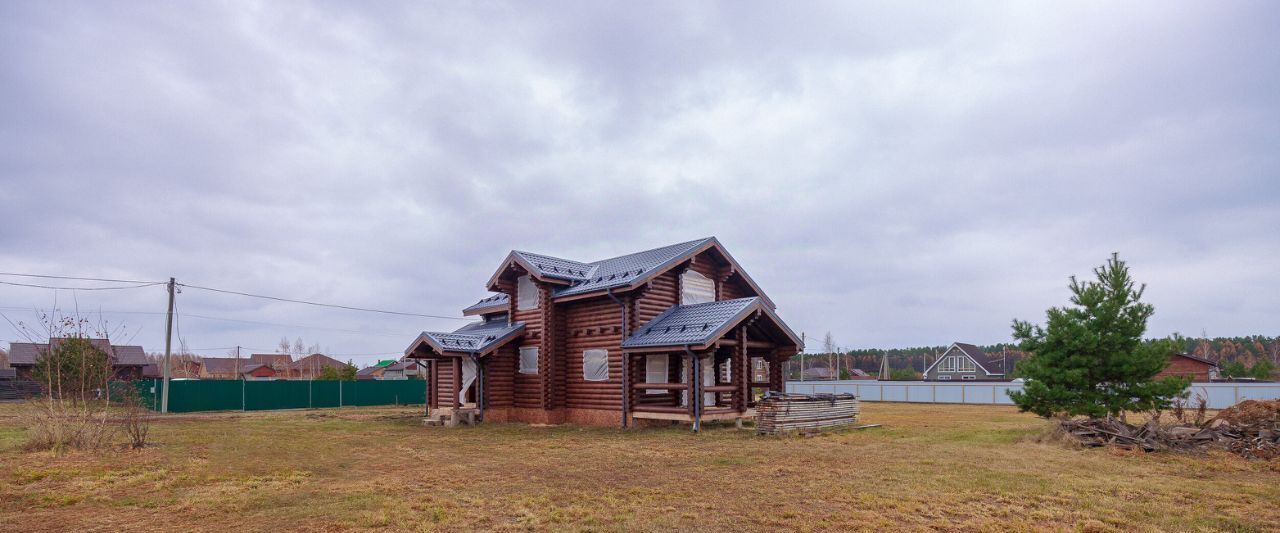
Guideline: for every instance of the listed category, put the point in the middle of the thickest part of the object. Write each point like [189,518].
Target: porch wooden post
[691,379]
[742,373]
[432,403]
[775,372]
[457,382]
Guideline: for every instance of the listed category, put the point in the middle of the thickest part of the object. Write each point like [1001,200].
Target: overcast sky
[897,176]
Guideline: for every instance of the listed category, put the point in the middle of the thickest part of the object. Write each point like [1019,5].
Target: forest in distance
[1237,356]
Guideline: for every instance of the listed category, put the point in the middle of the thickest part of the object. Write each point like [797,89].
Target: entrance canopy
[700,326]
[478,339]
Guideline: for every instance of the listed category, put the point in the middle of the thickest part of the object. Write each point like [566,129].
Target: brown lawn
[931,467]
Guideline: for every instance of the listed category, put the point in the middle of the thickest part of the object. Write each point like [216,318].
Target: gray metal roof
[496,302]
[692,324]
[622,270]
[555,267]
[472,338]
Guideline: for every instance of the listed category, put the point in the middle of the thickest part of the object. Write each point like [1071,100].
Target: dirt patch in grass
[930,466]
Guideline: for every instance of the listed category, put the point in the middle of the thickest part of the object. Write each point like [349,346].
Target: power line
[139,286]
[50,276]
[322,328]
[319,304]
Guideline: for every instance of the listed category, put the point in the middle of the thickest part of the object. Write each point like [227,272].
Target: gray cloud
[897,175]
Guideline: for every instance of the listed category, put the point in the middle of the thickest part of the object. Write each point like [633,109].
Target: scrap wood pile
[805,413]
[1250,429]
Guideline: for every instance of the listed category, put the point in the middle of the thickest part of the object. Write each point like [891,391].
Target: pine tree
[1089,358]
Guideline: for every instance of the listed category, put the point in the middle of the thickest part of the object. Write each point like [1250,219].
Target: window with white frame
[655,371]
[956,363]
[526,294]
[528,359]
[969,376]
[595,365]
[696,288]
[944,378]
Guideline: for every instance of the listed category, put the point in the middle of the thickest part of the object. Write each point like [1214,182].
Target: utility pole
[168,343]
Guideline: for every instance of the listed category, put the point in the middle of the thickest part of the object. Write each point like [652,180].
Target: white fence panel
[1216,395]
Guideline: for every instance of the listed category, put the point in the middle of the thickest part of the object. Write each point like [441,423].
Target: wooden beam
[659,386]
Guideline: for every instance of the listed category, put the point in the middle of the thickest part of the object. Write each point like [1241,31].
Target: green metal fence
[232,395]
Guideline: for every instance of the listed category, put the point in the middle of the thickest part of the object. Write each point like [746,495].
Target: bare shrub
[72,410]
[135,417]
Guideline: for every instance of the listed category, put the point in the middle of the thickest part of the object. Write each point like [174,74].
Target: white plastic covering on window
[726,371]
[595,365]
[696,288]
[528,359]
[468,377]
[655,371]
[526,294]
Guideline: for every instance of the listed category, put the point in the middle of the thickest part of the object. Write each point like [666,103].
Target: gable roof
[476,338]
[280,359]
[701,324]
[488,304]
[1195,358]
[990,366]
[629,271]
[224,365]
[25,353]
[317,360]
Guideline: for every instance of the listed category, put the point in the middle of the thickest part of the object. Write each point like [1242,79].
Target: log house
[669,334]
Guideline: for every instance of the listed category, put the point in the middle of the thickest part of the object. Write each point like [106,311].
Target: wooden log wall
[663,292]
[526,388]
[444,381]
[500,370]
[595,323]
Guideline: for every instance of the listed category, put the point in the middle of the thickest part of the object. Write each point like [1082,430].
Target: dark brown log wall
[444,381]
[499,377]
[595,323]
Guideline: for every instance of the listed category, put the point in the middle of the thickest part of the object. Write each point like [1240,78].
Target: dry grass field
[930,467]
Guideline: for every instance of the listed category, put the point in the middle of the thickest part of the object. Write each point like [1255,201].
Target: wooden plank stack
[804,413]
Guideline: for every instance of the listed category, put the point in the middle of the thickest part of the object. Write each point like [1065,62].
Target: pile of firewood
[1250,429]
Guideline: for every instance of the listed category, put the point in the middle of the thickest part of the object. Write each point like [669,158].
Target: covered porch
[454,367]
[705,362]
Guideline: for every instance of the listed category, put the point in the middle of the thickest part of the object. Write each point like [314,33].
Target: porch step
[451,418]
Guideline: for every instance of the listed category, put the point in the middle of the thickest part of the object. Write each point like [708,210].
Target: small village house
[312,366]
[223,367]
[375,371]
[126,361]
[281,363]
[965,362]
[400,370]
[671,333]
[259,372]
[1187,365]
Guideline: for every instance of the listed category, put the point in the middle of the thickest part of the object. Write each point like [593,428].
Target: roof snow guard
[491,304]
[700,325]
[477,338]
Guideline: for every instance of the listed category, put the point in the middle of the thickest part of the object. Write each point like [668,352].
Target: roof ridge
[672,245]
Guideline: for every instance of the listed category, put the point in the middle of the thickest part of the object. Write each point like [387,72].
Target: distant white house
[965,362]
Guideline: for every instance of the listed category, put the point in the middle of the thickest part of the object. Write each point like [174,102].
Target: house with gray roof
[679,332]
[126,361]
[966,362]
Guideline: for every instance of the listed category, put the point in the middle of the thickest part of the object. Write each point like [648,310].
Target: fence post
[934,387]
[340,393]
[242,394]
